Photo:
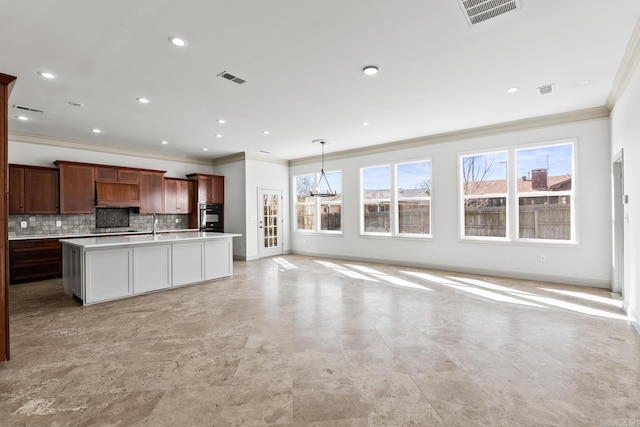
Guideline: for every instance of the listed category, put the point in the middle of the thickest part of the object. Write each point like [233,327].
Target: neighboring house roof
[555,183]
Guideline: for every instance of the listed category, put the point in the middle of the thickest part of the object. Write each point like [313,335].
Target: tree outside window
[485,194]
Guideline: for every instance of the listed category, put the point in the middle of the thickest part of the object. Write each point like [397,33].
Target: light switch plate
[23,224]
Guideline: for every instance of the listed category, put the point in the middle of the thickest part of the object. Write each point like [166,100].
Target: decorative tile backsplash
[41,225]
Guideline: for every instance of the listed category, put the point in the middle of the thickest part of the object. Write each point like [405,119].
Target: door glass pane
[270,220]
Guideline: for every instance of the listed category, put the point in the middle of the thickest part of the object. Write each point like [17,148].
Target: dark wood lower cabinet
[34,259]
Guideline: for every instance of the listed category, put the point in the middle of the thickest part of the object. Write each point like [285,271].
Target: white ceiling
[302,61]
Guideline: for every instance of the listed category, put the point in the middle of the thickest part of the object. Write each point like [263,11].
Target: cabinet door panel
[41,191]
[151,268]
[183,196]
[129,176]
[16,190]
[217,189]
[109,274]
[217,255]
[187,263]
[77,189]
[151,192]
[106,174]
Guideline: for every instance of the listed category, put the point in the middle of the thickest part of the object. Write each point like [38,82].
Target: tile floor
[302,341]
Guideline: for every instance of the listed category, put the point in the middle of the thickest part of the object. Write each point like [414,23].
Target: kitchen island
[99,269]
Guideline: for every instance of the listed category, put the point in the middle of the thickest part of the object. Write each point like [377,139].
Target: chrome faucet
[153,229]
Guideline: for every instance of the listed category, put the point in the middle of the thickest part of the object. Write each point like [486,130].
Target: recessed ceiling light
[23,118]
[47,74]
[265,151]
[221,121]
[142,100]
[370,70]
[164,142]
[512,90]
[76,104]
[583,82]
[178,41]
[205,149]
[365,123]
[94,130]
[219,135]
[266,132]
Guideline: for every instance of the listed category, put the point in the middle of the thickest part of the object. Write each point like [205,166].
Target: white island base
[99,269]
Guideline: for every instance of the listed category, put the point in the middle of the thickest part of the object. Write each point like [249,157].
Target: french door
[269,223]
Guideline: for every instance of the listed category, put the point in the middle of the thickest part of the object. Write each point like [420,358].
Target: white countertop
[110,234]
[146,239]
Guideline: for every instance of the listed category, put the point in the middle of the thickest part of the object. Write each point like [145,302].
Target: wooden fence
[535,222]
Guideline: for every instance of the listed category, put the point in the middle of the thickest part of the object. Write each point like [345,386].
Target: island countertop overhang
[101,242]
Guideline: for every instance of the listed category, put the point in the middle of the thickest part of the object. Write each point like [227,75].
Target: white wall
[625,131]
[44,155]
[234,204]
[586,263]
[262,175]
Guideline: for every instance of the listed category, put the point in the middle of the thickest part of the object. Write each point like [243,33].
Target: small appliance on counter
[212,217]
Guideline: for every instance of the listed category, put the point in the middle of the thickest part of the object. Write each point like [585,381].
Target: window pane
[377,182]
[545,168]
[414,179]
[413,216]
[304,185]
[334,180]
[377,217]
[484,174]
[306,217]
[545,217]
[485,217]
[330,217]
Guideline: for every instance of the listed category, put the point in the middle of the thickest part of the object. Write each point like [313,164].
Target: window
[331,207]
[545,192]
[484,195]
[376,200]
[405,211]
[305,203]
[413,195]
[309,208]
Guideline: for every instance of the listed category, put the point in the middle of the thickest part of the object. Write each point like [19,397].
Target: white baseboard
[633,317]
[605,284]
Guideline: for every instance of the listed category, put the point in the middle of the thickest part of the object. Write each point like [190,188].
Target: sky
[557,159]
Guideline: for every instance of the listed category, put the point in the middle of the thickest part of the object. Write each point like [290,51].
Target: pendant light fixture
[329,192]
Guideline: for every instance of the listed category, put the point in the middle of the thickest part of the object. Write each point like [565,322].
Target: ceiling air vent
[476,11]
[231,77]
[546,89]
[25,108]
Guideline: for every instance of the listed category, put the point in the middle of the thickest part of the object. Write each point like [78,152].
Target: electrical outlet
[23,224]
[543,258]
[58,223]
[177,220]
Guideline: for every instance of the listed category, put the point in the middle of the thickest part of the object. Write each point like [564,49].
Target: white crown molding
[626,69]
[483,131]
[238,157]
[81,145]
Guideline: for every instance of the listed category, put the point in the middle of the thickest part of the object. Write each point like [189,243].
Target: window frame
[512,196]
[569,193]
[398,199]
[462,197]
[394,220]
[317,203]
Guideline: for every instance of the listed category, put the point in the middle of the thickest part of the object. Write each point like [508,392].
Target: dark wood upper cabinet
[77,187]
[176,196]
[33,190]
[117,174]
[210,187]
[16,190]
[151,192]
